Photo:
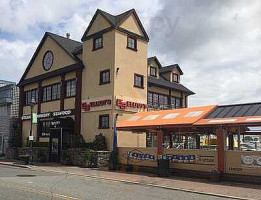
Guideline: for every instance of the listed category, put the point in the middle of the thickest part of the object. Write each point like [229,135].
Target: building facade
[9,107]
[80,87]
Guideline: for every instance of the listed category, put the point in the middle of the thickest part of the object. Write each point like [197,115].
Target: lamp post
[32,104]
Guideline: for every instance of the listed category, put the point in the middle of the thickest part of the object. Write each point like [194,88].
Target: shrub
[99,143]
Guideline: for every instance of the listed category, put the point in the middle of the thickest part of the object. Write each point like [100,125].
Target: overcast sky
[217,43]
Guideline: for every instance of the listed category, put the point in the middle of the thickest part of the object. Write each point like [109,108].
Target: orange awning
[175,117]
[250,120]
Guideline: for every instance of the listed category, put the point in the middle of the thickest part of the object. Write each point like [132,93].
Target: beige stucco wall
[234,165]
[69,103]
[26,131]
[50,106]
[70,75]
[30,86]
[51,81]
[61,58]
[131,24]
[99,24]
[158,90]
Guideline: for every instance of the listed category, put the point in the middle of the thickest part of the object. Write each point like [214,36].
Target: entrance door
[55,145]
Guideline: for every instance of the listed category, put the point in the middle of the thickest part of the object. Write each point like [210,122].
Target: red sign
[129,104]
[87,106]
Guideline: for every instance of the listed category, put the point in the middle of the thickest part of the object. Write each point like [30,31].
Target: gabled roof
[66,44]
[150,59]
[161,82]
[115,21]
[170,68]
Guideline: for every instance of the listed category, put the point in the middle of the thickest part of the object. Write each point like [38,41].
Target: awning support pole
[221,149]
[160,143]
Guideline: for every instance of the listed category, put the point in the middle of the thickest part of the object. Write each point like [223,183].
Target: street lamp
[32,104]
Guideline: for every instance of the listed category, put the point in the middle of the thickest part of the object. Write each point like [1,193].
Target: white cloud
[216,43]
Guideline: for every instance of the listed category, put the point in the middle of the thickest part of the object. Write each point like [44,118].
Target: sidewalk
[202,186]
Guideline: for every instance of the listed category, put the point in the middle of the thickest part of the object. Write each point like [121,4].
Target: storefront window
[151,140]
[175,102]
[45,129]
[51,92]
[157,100]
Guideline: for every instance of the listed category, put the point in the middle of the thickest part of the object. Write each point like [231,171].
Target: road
[21,184]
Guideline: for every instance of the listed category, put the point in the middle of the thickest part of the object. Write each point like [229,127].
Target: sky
[217,43]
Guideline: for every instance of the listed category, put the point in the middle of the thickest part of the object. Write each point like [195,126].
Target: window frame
[135,43]
[65,88]
[155,68]
[101,77]
[27,103]
[142,81]
[94,48]
[175,74]
[47,91]
[101,122]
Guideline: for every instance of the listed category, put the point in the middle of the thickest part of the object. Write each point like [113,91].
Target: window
[51,92]
[153,71]
[175,78]
[132,43]
[29,95]
[138,81]
[175,102]
[104,121]
[157,100]
[151,140]
[45,129]
[97,43]
[3,110]
[70,88]
[105,77]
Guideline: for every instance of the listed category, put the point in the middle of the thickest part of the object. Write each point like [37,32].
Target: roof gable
[171,68]
[132,25]
[115,21]
[63,54]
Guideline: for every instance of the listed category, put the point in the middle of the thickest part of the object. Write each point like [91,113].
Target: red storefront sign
[129,104]
[87,106]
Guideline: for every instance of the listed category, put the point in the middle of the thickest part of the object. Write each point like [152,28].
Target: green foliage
[99,143]
[88,156]
[78,141]
[66,156]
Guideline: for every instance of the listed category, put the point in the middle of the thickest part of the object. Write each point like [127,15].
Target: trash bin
[163,168]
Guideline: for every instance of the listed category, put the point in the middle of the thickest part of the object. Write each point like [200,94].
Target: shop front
[200,140]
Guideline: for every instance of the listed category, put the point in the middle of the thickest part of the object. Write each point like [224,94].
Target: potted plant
[87,161]
[214,175]
[25,158]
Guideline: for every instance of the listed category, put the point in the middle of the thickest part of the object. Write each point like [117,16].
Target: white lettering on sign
[44,115]
[62,113]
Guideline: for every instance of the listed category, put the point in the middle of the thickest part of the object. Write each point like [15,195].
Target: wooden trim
[93,42]
[39,108]
[221,149]
[21,106]
[160,143]
[62,92]
[151,67]
[142,81]
[100,117]
[78,102]
[135,43]
[101,81]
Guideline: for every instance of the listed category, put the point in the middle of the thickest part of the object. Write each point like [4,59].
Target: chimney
[68,35]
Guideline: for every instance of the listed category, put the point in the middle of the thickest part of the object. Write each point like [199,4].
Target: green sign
[34,118]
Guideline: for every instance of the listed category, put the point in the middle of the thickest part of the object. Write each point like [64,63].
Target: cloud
[216,43]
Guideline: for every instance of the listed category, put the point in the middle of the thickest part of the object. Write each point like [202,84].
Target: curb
[148,184]
[15,165]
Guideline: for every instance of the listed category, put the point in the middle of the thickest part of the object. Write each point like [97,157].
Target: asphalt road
[20,184]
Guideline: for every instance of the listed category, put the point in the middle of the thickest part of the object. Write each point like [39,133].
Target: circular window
[47,60]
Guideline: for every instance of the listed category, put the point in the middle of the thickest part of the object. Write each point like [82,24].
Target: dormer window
[175,77]
[97,43]
[132,43]
[153,71]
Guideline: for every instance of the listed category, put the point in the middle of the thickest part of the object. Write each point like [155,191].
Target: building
[79,87]
[9,107]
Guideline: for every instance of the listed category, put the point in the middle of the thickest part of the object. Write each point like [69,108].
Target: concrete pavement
[199,186]
[20,183]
